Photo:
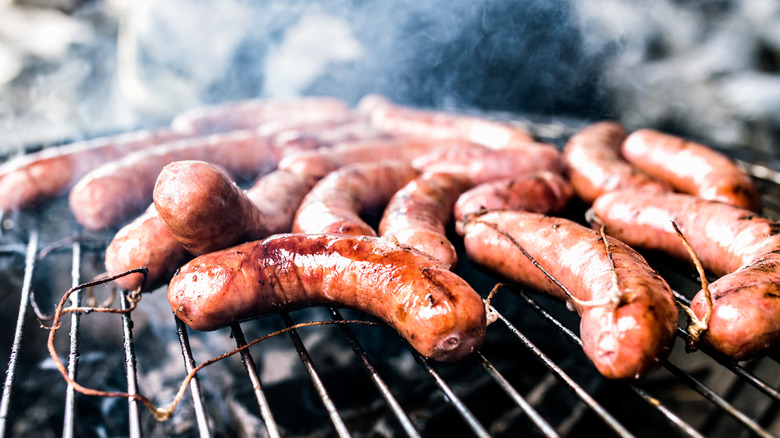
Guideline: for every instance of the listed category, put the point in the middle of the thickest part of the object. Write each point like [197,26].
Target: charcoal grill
[531,377]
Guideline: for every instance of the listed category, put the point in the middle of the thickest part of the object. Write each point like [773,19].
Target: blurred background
[706,69]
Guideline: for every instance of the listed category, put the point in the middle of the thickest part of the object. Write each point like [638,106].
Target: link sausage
[624,339]
[691,168]
[435,310]
[594,165]
[735,244]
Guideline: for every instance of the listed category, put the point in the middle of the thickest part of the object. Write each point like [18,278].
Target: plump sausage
[691,168]
[144,242]
[624,329]
[733,243]
[435,310]
[251,113]
[33,178]
[418,214]
[439,125]
[323,161]
[336,203]
[594,165]
[543,192]
[118,190]
[482,164]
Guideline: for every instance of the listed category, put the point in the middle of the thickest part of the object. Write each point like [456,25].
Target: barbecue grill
[530,378]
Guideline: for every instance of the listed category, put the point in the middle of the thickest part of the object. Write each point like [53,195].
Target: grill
[531,377]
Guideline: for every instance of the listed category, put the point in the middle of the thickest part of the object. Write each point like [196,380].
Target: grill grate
[531,375]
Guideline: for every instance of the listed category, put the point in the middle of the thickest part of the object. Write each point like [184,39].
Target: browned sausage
[439,125]
[624,339]
[482,164]
[691,168]
[30,179]
[323,161]
[251,113]
[144,242]
[731,242]
[543,192]
[118,190]
[335,204]
[418,214]
[594,165]
[435,310]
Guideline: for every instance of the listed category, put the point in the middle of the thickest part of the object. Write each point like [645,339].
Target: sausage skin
[623,340]
[118,190]
[543,192]
[691,168]
[594,165]
[144,242]
[335,204]
[733,243]
[418,214]
[435,310]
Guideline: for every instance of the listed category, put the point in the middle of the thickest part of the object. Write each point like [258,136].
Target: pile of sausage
[354,207]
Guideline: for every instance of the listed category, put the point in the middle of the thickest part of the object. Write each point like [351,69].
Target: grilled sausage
[117,190]
[418,214]
[335,204]
[543,192]
[323,161]
[482,164]
[251,113]
[691,168]
[733,243]
[32,178]
[439,125]
[594,165]
[435,310]
[624,339]
[144,242]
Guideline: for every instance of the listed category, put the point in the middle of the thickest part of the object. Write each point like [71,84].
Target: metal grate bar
[674,419]
[335,418]
[716,399]
[540,422]
[189,365]
[130,368]
[68,427]
[406,423]
[249,364]
[29,267]
[561,375]
[478,429]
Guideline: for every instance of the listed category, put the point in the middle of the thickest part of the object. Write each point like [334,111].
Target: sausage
[434,309]
[418,214]
[691,168]
[482,164]
[319,163]
[735,244]
[251,113]
[30,179]
[439,125]
[543,192]
[206,211]
[335,203]
[144,242]
[624,339]
[117,190]
[594,165]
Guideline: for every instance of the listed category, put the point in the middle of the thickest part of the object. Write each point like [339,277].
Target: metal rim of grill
[724,411]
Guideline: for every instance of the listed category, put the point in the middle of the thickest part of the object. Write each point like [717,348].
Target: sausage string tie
[159,413]
[569,295]
[696,326]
